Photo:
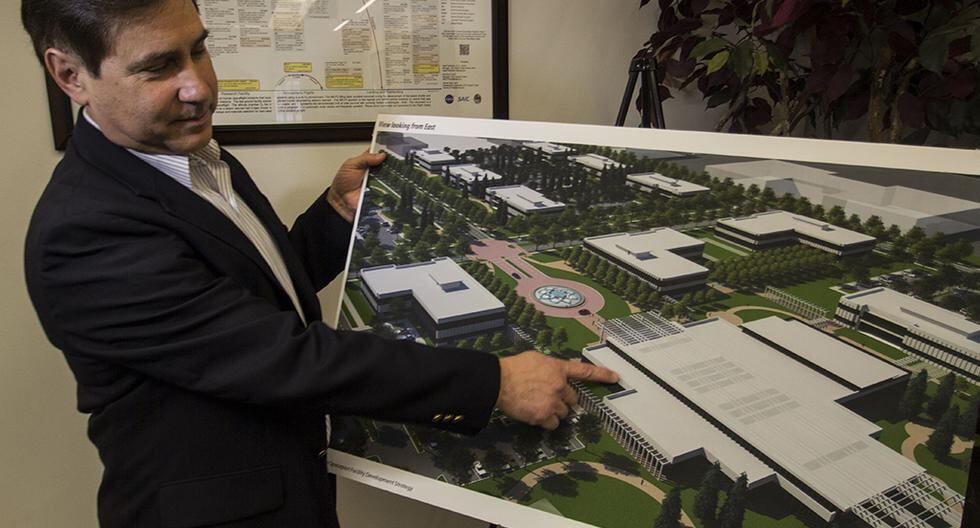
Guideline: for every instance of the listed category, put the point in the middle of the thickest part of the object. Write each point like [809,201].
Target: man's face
[157,88]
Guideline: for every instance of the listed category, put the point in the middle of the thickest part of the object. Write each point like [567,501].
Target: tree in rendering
[558,339]
[941,440]
[589,428]
[968,418]
[706,501]
[733,512]
[460,464]
[915,395]
[939,403]
[670,510]
[495,461]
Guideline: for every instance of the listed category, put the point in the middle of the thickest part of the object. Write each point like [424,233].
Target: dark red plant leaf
[784,13]
[727,15]
[962,83]
[839,84]
[680,69]
[664,93]
[959,46]
[933,86]
[757,114]
[644,2]
[688,45]
[912,110]
[910,7]
[854,106]
[668,17]
[902,47]
[698,7]
[817,82]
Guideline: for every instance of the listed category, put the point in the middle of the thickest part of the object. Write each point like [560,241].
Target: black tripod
[643,67]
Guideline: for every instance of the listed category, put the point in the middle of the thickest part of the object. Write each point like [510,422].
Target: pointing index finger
[585,371]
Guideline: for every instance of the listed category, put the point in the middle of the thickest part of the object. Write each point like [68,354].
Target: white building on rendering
[440,295]
[944,338]
[663,257]
[549,150]
[595,164]
[765,402]
[466,175]
[902,206]
[433,160]
[523,201]
[654,182]
[776,228]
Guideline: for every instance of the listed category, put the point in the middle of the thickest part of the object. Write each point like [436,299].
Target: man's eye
[156,68]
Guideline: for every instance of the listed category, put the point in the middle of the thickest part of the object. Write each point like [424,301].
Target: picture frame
[63,112]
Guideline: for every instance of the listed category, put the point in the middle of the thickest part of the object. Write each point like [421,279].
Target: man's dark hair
[86,28]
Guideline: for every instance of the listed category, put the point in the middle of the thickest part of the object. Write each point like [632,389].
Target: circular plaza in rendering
[559,296]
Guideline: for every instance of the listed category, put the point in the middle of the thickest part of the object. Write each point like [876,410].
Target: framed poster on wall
[310,71]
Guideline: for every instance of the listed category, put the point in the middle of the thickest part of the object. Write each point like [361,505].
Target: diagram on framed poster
[795,323]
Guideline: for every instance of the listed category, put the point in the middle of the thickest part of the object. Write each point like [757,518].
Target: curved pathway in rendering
[730,314]
[507,256]
[919,434]
[560,468]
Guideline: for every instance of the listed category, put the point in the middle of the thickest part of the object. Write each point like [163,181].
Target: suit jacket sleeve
[133,295]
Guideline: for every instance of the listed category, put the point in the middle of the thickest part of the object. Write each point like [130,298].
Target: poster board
[760,308]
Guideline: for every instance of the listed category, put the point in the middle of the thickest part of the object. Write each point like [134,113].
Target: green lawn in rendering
[718,252]
[360,302]
[545,256]
[604,501]
[504,276]
[952,471]
[518,267]
[818,292]
[578,335]
[871,343]
[614,306]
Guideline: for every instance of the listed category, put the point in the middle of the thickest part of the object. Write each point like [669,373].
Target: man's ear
[68,72]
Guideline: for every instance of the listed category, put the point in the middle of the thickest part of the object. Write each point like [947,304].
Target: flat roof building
[774,416]
[466,175]
[549,150]
[654,182]
[595,163]
[941,337]
[663,257]
[399,144]
[775,228]
[894,204]
[447,301]
[523,201]
[433,160]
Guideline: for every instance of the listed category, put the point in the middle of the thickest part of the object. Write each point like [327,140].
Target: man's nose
[194,87]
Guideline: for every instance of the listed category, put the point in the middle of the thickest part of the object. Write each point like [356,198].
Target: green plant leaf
[760,61]
[933,53]
[708,47]
[742,60]
[718,62]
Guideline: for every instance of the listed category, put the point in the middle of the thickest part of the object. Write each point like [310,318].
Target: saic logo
[464,99]
[449,99]
[477,98]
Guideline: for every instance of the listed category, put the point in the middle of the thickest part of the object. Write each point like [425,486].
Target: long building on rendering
[595,164]
[523,201]
[894,204]
[654,182]
[777,228]
[944,338]
[433,160]
[464,176]
[440,295]
[665,258]
[549,151]
[765,401]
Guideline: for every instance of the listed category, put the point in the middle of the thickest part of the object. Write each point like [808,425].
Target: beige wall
[568,63]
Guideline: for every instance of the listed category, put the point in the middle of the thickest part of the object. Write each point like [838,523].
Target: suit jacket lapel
[148,182]
[248,191]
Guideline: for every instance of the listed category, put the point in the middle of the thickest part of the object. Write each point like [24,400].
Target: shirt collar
[176,166]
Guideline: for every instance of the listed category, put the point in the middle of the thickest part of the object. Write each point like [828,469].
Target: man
[187,312]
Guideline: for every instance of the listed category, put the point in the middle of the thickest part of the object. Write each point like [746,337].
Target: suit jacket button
[322,454]
[447,418]
[437,418]
[458,418]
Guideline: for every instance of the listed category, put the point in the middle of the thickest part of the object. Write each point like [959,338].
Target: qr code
[464,49]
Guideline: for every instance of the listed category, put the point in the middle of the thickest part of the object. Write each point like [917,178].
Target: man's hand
[345,191]
[534,388]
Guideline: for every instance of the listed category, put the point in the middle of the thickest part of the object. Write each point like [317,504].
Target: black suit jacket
[206,391]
